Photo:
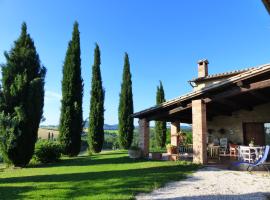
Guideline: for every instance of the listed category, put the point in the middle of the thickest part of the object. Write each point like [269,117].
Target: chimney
[203,68]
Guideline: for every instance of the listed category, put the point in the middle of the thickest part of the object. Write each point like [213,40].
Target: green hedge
[47,151]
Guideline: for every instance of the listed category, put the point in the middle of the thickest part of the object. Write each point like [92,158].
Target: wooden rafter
[168,113]
[239,90]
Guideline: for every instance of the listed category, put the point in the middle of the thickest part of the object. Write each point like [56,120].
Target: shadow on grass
[90,161]
[15,192]
[114,184]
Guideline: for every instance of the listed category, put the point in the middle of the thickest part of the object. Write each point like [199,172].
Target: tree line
[22,101]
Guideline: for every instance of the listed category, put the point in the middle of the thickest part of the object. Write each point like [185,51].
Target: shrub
[47,151]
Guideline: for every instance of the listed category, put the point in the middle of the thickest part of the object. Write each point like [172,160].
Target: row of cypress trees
[22,101]
[71,122]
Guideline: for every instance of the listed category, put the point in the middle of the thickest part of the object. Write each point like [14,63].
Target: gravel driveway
[215,184]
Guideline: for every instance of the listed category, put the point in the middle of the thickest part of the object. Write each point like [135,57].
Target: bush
[47,151]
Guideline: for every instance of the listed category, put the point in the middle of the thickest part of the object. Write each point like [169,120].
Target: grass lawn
[110,175]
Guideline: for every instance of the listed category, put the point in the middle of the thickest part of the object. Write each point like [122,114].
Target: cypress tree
[125,109]
[71,119]
[21,100]
[160,126]
[96,115]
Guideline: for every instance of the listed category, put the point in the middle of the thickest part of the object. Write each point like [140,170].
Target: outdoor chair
[259,162]
[246,154]
[223,144]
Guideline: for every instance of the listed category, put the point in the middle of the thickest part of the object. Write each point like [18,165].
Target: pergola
[243,91]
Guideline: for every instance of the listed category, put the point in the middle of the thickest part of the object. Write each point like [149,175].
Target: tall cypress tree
[96,115]
[160,126]
[21,100]
[71,119]
[125,109]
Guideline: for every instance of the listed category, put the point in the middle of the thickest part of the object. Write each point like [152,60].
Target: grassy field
[110,175]
[43,133]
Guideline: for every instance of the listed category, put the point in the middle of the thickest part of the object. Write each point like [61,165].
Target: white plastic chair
[223,146]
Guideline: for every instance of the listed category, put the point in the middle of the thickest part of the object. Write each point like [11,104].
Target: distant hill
[105,127]
[111,127]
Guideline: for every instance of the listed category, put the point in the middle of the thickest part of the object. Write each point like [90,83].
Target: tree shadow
[89,160]
[116,183]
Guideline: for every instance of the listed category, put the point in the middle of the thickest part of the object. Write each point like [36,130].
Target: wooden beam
[239,90]
[168,113]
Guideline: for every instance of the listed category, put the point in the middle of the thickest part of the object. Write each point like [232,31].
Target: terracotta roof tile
[221,75]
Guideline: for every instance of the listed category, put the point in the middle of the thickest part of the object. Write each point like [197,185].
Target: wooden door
[254,131]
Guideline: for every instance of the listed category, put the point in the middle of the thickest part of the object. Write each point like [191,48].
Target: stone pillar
[199,131]
[175,128]
[144,137]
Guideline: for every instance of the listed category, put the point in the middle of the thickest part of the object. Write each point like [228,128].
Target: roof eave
[232,80]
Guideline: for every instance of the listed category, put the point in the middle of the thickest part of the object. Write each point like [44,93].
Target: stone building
[235,105]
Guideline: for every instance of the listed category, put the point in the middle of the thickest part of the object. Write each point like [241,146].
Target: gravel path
[215,184]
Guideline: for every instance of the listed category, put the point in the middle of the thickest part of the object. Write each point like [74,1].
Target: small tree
[21,100]
[160,126]
[125,109]
[96,115]
[71,119]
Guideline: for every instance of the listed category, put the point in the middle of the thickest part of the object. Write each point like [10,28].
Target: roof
[267,5]
[221,75]
[248,73]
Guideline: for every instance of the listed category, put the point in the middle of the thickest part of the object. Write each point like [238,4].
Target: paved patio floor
[211,183]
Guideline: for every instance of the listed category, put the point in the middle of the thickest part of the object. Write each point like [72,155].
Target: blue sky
[164,40]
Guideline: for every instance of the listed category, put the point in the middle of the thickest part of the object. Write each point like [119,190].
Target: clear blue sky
[164,40]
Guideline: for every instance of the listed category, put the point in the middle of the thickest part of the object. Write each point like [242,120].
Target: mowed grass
[109,175]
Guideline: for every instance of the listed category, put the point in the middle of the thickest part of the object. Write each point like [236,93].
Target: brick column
[144,137]
[199,131]
[175,128]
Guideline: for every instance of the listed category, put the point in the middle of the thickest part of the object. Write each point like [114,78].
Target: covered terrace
[242,92]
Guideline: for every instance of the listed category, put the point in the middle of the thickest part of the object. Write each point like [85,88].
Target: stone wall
[233,125]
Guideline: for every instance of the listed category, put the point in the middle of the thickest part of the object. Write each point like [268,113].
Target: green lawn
[110,175]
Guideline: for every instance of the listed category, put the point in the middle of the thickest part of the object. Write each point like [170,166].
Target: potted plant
[134,152]
[171,149]
[181,137]
[156,154]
